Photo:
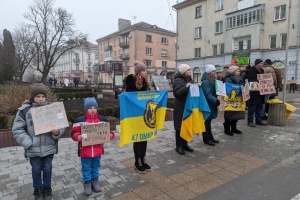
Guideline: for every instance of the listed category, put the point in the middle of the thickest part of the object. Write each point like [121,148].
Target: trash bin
[277,114]
[112,122]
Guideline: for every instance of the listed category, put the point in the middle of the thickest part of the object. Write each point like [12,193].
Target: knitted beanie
[268,61]
[88,102]
[38,88]
[138,67]
[257,61]
[183,68]
[209,68]
[232,69]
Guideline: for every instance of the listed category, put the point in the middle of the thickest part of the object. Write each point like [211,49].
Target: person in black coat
[232,117]
[256,100]
[139,82]
[181,85]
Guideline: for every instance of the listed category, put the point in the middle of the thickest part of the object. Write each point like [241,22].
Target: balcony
[76,60]
[164,55]
[105,68]
[124,44]
[124,56]
[108,48]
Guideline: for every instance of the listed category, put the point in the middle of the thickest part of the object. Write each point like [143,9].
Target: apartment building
[218,30]
[80,62]
[141,41]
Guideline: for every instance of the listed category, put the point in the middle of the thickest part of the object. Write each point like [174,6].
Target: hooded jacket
[87,151]
[209,91]
[23,131]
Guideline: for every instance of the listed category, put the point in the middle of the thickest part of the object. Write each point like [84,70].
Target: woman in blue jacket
[208,87]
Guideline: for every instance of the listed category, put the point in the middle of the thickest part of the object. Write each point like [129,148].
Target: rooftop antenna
[134,18]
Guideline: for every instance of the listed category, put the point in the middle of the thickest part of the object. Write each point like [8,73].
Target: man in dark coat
[76,82]
[256,100]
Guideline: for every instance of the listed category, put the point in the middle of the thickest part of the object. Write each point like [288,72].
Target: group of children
[40,149]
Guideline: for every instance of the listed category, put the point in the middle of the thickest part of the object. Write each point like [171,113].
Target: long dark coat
[180,92]
[234,115]
[255,97]
[209,90]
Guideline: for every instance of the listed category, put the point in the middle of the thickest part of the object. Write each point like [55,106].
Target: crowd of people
[40,149]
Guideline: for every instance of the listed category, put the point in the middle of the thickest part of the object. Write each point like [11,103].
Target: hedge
[76,95]
[68,90]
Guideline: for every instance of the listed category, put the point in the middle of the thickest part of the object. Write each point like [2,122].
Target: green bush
[64,96]
[73,114]
[67,90]
[6,121]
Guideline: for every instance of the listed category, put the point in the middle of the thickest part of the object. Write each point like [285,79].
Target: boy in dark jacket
[90,155]
[40,149]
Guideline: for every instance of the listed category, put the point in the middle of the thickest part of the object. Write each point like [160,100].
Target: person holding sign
[209,89]
[139,82]
[232,117]
[256,100]
[181,86]
[90,155]
[41,148]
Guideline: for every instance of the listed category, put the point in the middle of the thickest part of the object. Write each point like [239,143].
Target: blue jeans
[257,111]
[263,107]
[90,168]
[38,165]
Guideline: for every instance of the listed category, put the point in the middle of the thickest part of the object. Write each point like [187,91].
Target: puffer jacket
[34,145]
[209,91]
[87,151]
[180,92]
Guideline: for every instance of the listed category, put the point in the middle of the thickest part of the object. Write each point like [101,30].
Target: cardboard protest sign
[266,84]
[220,88]
[222,103]
[246,91]
[97,133]
[49,117]
[160,82]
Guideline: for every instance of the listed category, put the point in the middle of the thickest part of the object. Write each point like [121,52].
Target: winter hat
[38,88]
[138,67]
[257,61]
[88,102]
[268,61]
[232,69]
[183,68]
[209,68]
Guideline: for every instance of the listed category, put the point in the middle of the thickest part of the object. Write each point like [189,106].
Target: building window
[119,40]
[164,64]
[215,50]
[272,41]
[148,38]
[280,12]
[89,56]
[219,27]
[77,56]
[126,40]
[164,40]
[219,4]
[148,51]
[248,44]
[115,54]
[96,57]
[241,45]
[114,41]
[198,12]
[77,66]
[244,19]
[148,63]
[222,49]
[283,40]
[198,32]
[164,52]
[197,52]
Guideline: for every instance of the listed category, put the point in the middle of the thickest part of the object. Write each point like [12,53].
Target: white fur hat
[183,68]
[209,68]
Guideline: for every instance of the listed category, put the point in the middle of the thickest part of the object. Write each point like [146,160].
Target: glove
[217,102]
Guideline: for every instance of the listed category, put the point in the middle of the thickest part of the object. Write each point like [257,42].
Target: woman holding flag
[232,117]
[139,82]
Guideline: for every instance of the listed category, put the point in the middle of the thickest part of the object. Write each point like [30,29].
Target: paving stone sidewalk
[173,176]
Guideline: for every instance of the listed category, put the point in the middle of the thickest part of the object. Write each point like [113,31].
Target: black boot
[47,193]
[233,127]
[227,128]
[180,150]
[145,165]
[138,166]
[38,194]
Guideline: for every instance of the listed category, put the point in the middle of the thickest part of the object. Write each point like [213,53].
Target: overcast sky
[97,17]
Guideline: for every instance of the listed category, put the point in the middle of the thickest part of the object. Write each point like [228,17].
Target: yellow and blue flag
[196,111]
[234,99]
[141,115]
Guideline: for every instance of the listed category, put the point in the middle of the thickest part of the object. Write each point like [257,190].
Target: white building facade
[219,30]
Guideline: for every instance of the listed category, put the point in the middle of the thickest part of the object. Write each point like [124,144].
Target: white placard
[194,89]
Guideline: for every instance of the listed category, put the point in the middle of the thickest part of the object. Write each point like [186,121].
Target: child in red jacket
[90,155]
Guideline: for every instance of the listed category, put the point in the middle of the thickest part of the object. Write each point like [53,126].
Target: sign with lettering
[220,88]
[49,117]
[97,133]
[246,91]
[266,84]
[160,82]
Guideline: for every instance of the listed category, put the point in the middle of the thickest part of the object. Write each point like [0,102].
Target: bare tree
[25,49]
[54,33]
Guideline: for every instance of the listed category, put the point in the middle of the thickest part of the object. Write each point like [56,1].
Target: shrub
[15,96]
[67,90]
[73,114]
[6,121]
